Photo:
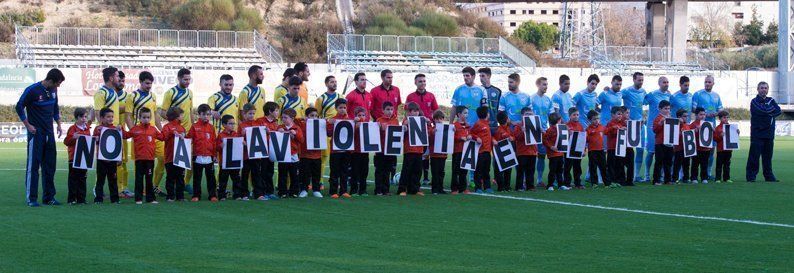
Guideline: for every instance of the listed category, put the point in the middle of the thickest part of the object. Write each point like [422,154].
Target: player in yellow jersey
[223,102]
[144,98]
[122,173]
[301,70]
[181,97]
[252,93]
[325,107]
[292,100]
[106,97]
[282,88]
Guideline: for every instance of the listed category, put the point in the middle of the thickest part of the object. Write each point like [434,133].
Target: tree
[750,34]
[623,24]
[437,24]
[771,33]
[709,25]
[543,36]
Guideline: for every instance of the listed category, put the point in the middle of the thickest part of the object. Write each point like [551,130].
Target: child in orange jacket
[385,165]
[106,170]
[679,161]
[481,132]
[701,161]
[77,177]
[617,165]
[290,169]
[664,154]
[252,168]
[227,131]
[554,155]
[572,164]
[527,156]
[203,135]
[459,179]
[359,161]
[723,165]
[502,132]
[437,161]
[596,157]
[143,141]
[175,176]
[412,157]
[339,161]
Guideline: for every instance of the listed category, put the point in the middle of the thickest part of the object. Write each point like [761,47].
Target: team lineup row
[510,107]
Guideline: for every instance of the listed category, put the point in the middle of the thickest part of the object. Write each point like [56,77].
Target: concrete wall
[81,83]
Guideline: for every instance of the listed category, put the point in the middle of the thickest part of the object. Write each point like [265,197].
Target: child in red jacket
[252,168]
[502,132]
[572,164]
[481,132]
[437,161]
[339,161]
[410,173]
[270,121]
[143,141]
[385,165]
[679,161]
[290,169]
[203,135]
[701,161]
[596,157]
[359,161]
[554,156]
[310,162]
[527,156]
[663,156]
[77,177]
[459,179]
[723,168]
[106,170]
[227,131]
[174,176]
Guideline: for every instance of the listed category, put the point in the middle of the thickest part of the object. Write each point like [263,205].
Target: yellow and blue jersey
[106,97]
[325,105]
[288,102]
[224,104]
[252,95]
[138,100]
[182,98]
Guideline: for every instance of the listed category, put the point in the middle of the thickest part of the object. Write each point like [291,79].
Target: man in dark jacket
[763,111]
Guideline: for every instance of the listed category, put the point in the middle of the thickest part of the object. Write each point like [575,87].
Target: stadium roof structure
[142,48]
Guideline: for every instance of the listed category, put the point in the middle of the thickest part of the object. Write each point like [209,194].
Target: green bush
[543,36]
[762,56]
[390,24]
[437,24]
[18,17]
[216,15]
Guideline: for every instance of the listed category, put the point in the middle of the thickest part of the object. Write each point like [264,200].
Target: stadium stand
[652,60]
[352,52]
[142,48]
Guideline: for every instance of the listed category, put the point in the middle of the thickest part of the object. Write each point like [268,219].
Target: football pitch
[682,228]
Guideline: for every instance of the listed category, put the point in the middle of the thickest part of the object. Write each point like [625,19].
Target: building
[511,15]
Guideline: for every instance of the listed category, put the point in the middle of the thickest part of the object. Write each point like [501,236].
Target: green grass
[399,234]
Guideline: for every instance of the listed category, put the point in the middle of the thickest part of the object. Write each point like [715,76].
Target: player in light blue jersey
[542,106]
[710,101]
[562,99]
[512,102]
[633,97]
[611,97]
[585,100]
[652,99]
[469,95]
[682,99]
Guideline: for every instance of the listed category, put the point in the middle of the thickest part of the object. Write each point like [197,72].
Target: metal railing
[618,59]
[357,42]
[516,55]
[136,37]
[266,50]
[24,53]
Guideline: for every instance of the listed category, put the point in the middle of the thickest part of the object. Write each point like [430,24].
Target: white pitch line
[699,217]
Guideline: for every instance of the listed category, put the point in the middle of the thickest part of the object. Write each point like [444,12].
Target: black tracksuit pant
[285,170]
[437,174]
[663,160]
[525,174]
[77,184]
[574,165]
[458,179]
[556,168]
[310,173]
[207,170]
[339,163]
[251,168]
[359,170]
[679,162]
[723,169]
[143,176]
[384,168]
[597,162]
[410,174]
[174,182]
[106,171]
[223,181]
[700,165]
[482,173]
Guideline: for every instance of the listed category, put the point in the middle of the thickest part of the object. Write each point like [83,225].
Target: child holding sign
[615,163]
[359,161]
[385,165]
[527,156]
[555,156]
[290,169]
[251,167]
[106,169]
[412,156]
[143,142]
[310,162]
[663,152]
[701,161]
[458,181]
[680,161]
[270,120]
[437,161]
[77,177]
[203,135]
[339,161]
[174,176]
[502,132]
[481,132]
[723,169]
[596,158]
[228,124]
[573,164]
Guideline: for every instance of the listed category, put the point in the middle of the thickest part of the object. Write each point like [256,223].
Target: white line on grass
[699,217]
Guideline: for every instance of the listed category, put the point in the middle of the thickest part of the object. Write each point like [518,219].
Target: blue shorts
[650,141]
[541,149]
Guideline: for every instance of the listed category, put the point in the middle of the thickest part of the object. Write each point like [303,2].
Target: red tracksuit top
[167,134]
[203,135]
[70,141]
[143,137]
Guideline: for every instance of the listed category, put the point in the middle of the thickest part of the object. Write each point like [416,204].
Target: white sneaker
[694,181]
[303,194]
[565,188]
[317,194]
[139,202]
[154,202]
[705,181]
[550,189]
[244,199]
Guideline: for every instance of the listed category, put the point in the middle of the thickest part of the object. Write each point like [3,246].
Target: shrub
[18,17]
[215,14]
[437,24]
[390,24]
[543,36]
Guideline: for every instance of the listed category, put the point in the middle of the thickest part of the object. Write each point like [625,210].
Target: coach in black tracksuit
[763,111]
